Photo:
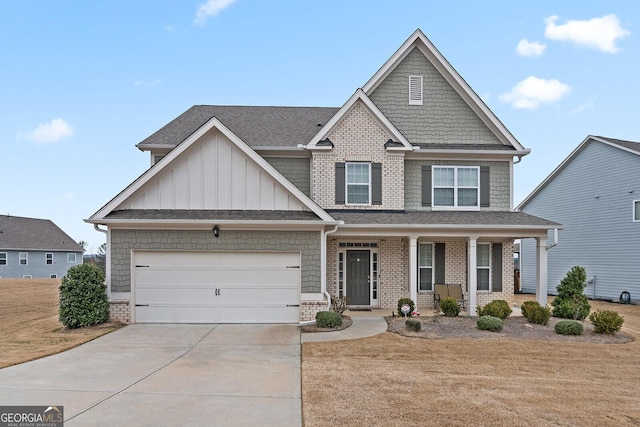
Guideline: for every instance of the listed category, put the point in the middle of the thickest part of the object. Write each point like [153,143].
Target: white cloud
[532,91]
[597,33]
[580,108]
[170,28]
[210,8]
[53,131]
[69,197]
[527,48]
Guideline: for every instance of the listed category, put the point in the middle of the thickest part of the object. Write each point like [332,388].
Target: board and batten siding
[593,198]
[213,174]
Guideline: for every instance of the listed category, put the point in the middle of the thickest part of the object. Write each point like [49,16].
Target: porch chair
[439,292]
[455,291]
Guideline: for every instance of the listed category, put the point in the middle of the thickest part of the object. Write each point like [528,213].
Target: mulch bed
[346,322]
[514,327]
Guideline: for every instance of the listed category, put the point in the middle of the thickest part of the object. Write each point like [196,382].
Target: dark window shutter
[340,177]
[426,185]
[438,253]
[485,187]
[496,267]
[376,183]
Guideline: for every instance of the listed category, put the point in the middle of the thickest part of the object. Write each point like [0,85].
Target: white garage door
[216,287]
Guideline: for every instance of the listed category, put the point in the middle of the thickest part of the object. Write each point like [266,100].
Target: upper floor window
[358,183]
[71,257]
[456,186]
[415,90]
[48,259]
[3,258]
[23,258]
[636,210]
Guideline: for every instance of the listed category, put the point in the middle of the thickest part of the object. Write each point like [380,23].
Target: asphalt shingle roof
[442,218]
[257,126]
[635,146]
[34,234]
[213,215]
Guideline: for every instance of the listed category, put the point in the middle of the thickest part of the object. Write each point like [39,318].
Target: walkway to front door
[358,270]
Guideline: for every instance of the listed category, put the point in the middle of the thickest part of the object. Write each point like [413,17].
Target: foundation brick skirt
[120,311]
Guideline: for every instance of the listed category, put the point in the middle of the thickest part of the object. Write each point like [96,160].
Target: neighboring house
[35,248]
[595,194]
[259,214]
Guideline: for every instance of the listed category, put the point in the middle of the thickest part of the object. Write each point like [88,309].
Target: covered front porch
[374,265]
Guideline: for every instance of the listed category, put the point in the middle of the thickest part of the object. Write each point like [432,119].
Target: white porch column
[541,270]
[472,276]
[413,269]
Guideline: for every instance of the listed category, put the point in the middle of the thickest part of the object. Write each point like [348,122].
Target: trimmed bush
[328,319]
[569,327]
[409,302]
[528,306]
[539,315]
[497,308]
[450,307]
[571,302]
[606,321]
[83,297]
[413,324]
[490,323]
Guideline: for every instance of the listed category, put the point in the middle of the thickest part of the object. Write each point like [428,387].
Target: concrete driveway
[169,375]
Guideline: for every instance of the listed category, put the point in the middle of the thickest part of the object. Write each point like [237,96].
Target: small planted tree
[571,302]
[83,297]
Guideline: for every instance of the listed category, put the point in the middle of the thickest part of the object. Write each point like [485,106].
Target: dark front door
[358,277]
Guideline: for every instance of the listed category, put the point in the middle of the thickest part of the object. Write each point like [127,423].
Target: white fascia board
[419,40]
[359,95]
[455,154]
[613,144]
[208,224]
[152,147]
[514,232]
[186,144]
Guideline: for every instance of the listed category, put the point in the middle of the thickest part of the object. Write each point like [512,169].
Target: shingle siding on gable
[295,170]
[443,118]
[500,199]
[591,198]
[358,138]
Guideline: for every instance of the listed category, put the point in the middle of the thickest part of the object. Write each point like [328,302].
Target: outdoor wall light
[216,231]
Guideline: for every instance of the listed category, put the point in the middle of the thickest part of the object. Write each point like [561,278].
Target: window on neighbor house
[3,258]
[358,183]
[53,276]
[636,210]
[483,264]
[456,186]
[48,259]
[425,266]
[23,258]
[71,257]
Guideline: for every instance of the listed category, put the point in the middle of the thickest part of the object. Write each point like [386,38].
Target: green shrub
[328,319]
[409,302]
[450,307]
[539,315]
[83,297]
[413,324]
[569,327]
[606,321]
[497,308]
[571,302]
[527,307]
[490,323]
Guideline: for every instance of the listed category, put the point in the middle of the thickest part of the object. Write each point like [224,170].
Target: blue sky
[82,82]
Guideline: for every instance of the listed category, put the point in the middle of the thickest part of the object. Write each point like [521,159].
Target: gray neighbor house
[595,194]
[35,248]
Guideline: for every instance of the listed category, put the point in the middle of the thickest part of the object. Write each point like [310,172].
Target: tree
[571,302]
[101,258]
[84,244]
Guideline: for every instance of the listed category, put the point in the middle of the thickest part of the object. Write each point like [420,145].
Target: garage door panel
[216,287]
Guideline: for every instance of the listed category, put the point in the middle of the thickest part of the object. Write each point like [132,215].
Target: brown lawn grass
[29,326]
[390,380]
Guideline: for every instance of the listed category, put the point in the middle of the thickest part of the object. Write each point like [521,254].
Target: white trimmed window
[415,90]
[636,210]
[71,257]
[358,183]
[457,187]
[23,258]
[425,266]
[483,261]
[48,259]
[3,258]
[53,276]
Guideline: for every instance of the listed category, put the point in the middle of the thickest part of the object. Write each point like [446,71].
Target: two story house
[260,214]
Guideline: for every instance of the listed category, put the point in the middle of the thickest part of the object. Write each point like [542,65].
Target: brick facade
[308,309]
[120,311]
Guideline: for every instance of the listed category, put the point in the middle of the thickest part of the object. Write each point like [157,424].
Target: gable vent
[415,90]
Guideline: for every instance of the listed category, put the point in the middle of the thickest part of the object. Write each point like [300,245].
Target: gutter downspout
[107,260]
[555,239]
[323,262]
